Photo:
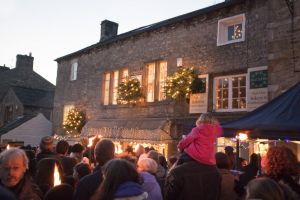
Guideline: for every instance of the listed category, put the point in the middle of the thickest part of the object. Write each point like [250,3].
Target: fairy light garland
[74,122]
[129,91]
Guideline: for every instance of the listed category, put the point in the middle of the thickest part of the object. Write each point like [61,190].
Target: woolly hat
[129,189]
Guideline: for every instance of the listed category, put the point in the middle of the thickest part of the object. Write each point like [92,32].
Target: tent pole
[237,157]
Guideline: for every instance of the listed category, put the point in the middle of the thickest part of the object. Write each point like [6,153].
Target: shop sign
[198,101]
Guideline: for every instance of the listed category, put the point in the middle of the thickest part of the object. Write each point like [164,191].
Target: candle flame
[57,180]
[91,139]
[7,147]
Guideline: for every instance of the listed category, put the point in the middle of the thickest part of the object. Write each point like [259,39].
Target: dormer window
[231,30]
[73,75]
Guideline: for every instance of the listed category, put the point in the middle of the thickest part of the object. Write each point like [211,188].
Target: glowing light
[57,180]
[7,147]
[242,136]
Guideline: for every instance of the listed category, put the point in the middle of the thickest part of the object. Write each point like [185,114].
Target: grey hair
[147,164]
[10,153]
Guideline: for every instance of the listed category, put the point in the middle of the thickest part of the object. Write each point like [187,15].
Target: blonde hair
[147,165]
[206,118]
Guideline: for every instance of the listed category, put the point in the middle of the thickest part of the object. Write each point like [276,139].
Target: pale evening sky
[53,28]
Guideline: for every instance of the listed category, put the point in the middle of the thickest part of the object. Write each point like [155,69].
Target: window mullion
[230,93]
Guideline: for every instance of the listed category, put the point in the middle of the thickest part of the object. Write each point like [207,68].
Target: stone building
[23,92]
[246,51]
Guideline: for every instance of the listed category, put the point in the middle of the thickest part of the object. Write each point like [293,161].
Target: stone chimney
[108,29]
[24,62]
[4,68]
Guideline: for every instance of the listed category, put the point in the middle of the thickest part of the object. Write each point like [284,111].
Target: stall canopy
[141,130]
[277,119]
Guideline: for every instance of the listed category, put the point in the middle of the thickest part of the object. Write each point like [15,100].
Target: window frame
[157,80]
[230,91]
[74,69]
[223,24]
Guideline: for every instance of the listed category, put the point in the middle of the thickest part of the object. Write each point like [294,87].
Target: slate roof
[152,27]
[34,97]
[15,123]
[30,79]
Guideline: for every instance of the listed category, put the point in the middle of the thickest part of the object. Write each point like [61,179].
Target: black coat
[193,180]
[88,185]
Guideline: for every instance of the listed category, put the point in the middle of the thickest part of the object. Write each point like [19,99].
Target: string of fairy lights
[74,122]
[180,83]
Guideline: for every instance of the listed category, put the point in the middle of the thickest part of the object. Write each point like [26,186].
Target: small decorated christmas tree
[75,121]
[129,91]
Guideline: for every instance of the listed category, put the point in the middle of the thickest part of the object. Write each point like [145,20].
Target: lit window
[156,80]
[162,80]
[67,108]
[73,75]
[231,30]
[150,82]
[106,88]
[115,86]
[110,85]
[230,93]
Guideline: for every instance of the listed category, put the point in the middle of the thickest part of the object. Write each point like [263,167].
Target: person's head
[264,188]
[81,170]
[46,143]
[13,165]
[115,173]
[44,173]
[229,150]
[147,165]
[104,151]
[62,147]
[281,161]
[139,150]
[77,148]
[172,160]
[62,191]
[163,161]
[254,159]
[153,155]
[206,118]
[222,160]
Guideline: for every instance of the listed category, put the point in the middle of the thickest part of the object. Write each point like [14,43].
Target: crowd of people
[98,173]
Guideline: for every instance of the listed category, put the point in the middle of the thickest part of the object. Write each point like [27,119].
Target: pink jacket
[199,143]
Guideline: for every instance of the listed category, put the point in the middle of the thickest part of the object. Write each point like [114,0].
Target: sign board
[199,101]
[257,94]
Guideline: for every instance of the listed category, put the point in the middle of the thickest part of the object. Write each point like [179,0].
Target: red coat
[199,143]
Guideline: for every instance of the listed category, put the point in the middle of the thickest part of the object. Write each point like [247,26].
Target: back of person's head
[77,148]
[117,172]
[147,149]
[264,188]
[206,118]
[104,151]
[254,159]
[46,143]
[68,164]
[281,162]
[229,150]
[163,161]
[147,165]
[62,147]
[153,155]
[62,191]
[222,160]
[14,153]
[82,170]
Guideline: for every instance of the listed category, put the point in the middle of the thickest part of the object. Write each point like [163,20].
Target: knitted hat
[128,189]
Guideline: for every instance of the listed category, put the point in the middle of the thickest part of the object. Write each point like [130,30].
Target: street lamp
[240,137]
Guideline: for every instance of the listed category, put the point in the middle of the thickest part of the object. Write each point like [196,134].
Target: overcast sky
[53,28]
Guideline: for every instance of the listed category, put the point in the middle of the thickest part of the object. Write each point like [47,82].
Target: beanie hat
[129,189]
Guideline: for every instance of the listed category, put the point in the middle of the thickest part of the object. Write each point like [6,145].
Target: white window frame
[74,67]
[116,77]
[107,79]
[230,109]
[162,78]
[151,81]
[66,110]
[223,24]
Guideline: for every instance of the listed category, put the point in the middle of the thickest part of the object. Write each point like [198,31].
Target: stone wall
[195,41]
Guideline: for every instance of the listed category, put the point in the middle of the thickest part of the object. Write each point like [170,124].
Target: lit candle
[57,180]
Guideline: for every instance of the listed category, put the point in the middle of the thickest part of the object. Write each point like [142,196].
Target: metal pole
[237,157]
